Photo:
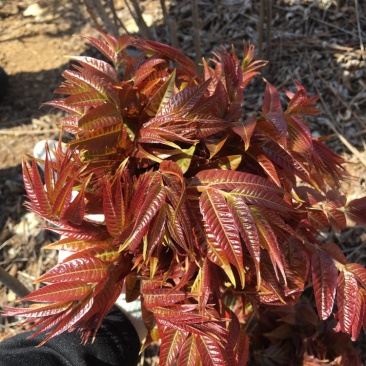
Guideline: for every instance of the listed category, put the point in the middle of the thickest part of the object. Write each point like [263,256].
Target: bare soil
[320,43]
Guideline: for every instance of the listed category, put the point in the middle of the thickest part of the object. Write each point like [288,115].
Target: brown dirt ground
[320,43]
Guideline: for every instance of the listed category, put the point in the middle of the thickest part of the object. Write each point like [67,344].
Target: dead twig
[13,283]
[260,29]
[139,19]
[117,21]
[354,114]
[171,25]
[269,28]
[96,9]
[362,48]
[197,31]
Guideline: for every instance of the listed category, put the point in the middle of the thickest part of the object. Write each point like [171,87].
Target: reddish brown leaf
[210,351]
[161,97]
[172,343]
[75,211]
[335,251]
[59,292]
[300,104]
[243,347]
[99,139]
[246,225]
[245,130]
[98,67]
[356,210]
[72,317]
[221,223]
[347,290]
[249,66]
[113,208]
[185,100]
[269,168]
[168,51]
[358,271]
[229,180]
[324,275]
[300,135]
[268,240]
[360,312]
[216,254]
[272,110]
[38,310]
[154,196]
[189,353]
[80,269]
[106,49]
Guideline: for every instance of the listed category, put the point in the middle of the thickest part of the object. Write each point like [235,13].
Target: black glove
[116,343]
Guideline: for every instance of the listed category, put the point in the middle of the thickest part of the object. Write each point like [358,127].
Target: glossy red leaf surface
[87,269]
[221,223]
[347,290]
[324,276]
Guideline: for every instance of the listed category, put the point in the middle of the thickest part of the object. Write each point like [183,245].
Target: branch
[13,283]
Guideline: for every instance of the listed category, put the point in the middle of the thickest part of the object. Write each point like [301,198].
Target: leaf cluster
[202,206]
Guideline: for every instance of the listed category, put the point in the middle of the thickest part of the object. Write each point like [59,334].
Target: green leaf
[184,158]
